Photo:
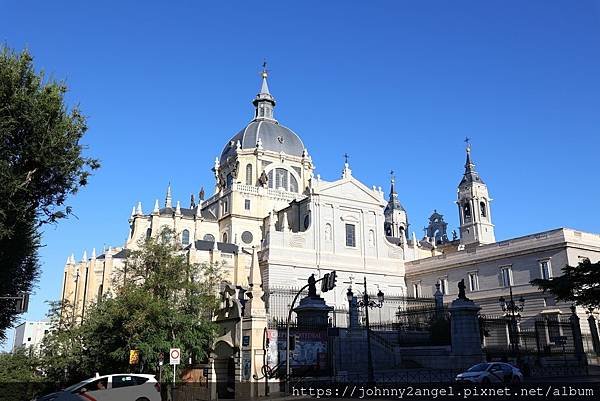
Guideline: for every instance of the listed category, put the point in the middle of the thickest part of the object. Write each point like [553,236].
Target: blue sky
[396,84]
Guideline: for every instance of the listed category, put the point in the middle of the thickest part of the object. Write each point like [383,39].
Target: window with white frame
[417,289]
[545,269]
[506,276]
[473,281]
[443,282]
[247,204]
[351,235]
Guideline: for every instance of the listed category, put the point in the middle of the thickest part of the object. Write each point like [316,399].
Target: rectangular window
[443,282]
[417,289]
[554,332]
[350,235]
[506,276]
[247,204]
[473,281]
[545,269]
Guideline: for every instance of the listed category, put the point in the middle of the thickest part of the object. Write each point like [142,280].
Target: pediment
[350,189]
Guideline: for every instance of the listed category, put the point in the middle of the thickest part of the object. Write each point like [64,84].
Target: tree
[160,301]
[20,377]
[579,285]
[41,164]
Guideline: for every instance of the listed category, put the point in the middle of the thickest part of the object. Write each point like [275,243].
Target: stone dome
[273,137]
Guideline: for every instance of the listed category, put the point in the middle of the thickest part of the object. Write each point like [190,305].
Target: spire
[393,201]
[470,175]
[139,211]
[264,102]
[93,253]
[84,257]
[178,208]
[156,208]
[168,198]
[264,89]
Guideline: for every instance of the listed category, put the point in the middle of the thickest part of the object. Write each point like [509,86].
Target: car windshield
[480,367]
[77,385]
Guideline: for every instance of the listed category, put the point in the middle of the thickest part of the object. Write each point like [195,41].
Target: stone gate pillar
[594,333]
[465,334]
[577,338]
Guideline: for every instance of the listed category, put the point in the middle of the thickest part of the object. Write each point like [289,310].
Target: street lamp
[514,310]
[367,304]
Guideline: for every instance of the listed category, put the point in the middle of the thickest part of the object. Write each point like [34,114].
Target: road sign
[175,356]
[134,356]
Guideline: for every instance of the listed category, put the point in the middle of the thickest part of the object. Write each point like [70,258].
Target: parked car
[117,387]
[492,372]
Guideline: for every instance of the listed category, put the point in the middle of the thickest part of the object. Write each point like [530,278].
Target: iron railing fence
[502,335]
[278,300]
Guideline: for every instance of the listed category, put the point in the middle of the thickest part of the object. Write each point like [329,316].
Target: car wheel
[485,380]
[142,399]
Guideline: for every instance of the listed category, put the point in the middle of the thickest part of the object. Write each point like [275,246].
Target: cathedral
[272,219]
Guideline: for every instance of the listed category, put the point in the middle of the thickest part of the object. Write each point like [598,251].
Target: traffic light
[23,302]
[331,280]
[328,282]
[325,283]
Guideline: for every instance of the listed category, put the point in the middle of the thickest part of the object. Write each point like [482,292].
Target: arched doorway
[225,363]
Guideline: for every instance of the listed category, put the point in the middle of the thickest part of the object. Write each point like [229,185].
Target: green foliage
[20,377]
[19,367]
[160,301]
[41,164]
[579,285]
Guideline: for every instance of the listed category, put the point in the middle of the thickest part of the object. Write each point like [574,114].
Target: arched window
[225,238]
[281,178]
[483,209]
[467,210]
[249,174]
[185,237]
[293,184]
[209,237]
[270,177]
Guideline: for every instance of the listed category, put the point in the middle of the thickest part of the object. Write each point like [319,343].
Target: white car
[116,387]
[492,372]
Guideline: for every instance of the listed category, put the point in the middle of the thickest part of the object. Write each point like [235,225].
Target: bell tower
[396,220]
[474,207]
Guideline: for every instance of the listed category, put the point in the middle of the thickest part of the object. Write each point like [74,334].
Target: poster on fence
[310,348]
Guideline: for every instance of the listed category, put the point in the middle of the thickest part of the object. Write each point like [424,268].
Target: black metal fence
[504,336]
[279,299]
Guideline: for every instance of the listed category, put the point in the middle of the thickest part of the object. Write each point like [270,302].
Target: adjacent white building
[30,334]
